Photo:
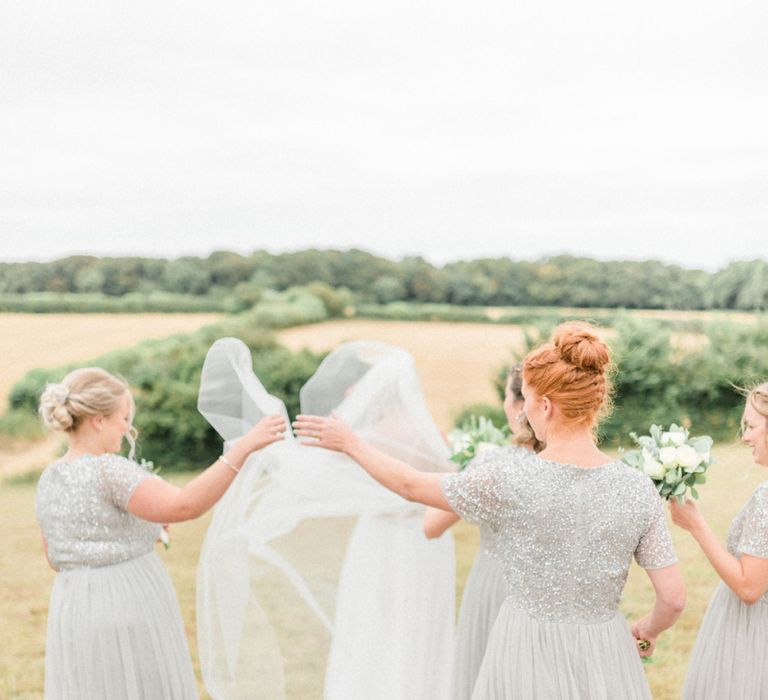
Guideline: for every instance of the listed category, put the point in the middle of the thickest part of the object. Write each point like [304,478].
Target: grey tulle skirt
[730,657]
[483,595]
[532,658]
[115,633]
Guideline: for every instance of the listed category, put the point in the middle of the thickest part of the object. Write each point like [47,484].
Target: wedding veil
[313,579]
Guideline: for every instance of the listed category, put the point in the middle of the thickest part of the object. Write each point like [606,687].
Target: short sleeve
[655,549]
[121,477]
[476,493]
[754,526]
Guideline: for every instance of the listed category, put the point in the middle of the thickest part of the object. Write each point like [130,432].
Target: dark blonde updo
[90,391]
[573,371]
[524,435]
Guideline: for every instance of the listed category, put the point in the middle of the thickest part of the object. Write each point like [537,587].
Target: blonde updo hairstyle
[574,371]
[90,391]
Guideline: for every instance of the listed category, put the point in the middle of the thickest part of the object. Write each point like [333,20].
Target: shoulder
[633,483]
[110,459]
[46,480]
[118,471]
[759,498]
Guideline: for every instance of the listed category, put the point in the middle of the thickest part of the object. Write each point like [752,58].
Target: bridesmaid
[729,657]
[114,627]
[569,521]
[484,592]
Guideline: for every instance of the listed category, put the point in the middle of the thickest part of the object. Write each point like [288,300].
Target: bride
[310,568]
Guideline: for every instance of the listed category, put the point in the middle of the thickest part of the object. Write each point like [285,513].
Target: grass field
[25,581]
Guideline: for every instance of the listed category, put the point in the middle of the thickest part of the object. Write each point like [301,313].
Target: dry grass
[26,581]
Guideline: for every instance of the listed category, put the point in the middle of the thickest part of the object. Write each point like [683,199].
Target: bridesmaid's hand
[332,433]
[646,642]
[268,430]
[686,515]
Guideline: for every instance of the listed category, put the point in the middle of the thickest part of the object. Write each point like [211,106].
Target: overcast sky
[449,129]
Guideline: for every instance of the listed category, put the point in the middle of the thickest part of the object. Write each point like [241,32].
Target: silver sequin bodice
[565,534]
[80,507]
[748,533]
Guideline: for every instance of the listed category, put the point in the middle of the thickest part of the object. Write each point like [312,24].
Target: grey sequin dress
[566,538]
[114,627]
[729,657]
[484,593]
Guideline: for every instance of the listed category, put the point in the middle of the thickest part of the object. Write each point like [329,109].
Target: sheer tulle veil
[314,580]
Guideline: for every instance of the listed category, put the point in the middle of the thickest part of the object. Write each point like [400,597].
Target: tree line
[563,280]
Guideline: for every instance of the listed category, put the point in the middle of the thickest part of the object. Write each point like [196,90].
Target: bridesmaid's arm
[746,576]
[160,502]
[437,521]
[669,587]
[399,477]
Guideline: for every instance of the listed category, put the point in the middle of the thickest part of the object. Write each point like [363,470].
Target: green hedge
[529,315]
[135,302]
[667,377]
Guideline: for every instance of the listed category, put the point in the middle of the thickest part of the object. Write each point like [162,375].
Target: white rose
[651,467]
[704,456]
[668,456]
[484,447]
[687,457]
[676,438]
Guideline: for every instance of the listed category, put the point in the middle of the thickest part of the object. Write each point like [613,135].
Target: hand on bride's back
[268,430]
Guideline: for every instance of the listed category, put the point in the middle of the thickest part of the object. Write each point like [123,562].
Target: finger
[309,418]
[315,427]
[307,433]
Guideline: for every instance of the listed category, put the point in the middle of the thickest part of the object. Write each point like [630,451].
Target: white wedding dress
[313,579]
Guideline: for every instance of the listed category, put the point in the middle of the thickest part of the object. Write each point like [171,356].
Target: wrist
[236,455]
[699,530]
[351,444]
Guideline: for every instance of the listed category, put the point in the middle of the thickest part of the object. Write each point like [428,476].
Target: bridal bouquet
[473,437]
[675,461]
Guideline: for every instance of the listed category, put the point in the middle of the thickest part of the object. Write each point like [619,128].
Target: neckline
[576,466]
[72,460]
